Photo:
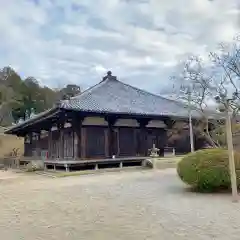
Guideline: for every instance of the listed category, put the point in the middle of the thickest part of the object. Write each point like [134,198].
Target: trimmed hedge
[208,169]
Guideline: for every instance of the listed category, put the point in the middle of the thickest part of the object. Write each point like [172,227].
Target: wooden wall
[126,138]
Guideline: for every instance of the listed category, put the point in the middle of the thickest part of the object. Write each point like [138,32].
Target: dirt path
[126,205]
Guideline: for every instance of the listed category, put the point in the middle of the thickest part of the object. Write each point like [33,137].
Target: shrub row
[208,169]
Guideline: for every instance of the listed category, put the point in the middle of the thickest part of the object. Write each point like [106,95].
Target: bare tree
[200,81]
[197,88]
[227,63]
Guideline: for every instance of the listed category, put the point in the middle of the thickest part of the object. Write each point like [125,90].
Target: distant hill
[19,98]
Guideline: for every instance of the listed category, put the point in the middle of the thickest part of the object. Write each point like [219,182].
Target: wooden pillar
[76,126]
[49,156]
[83,142]
[169,126]
[143,149]
[30,144]
[111,121]
[37,144]
[26,145]
[75,144]
[135,143]
[60,144]
[79,150]
[110,140]
[106,143]
[50,143]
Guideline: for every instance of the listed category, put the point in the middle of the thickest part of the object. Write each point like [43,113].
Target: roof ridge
[128,85]
[88,89]
[104,79]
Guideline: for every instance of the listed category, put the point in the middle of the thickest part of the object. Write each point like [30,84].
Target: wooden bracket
[143,122]
[111,120]
[169,122]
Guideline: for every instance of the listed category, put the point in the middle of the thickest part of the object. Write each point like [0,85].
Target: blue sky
[141,41]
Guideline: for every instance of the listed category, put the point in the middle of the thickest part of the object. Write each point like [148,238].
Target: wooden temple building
[109,121]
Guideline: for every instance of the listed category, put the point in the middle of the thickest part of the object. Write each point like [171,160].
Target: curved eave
[52,112]
[126,115]
[198,115]
[38,118]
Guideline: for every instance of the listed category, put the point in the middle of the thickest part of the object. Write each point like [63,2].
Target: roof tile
[113,96]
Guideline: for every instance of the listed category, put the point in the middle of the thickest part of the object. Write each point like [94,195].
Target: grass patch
[171,158]
[167,162]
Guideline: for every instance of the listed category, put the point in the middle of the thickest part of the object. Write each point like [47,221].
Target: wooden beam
[83,142]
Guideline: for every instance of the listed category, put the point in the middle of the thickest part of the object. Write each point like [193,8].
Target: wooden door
[95,142]
[127,142]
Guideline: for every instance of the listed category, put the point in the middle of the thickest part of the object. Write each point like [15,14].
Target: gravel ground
[124,205]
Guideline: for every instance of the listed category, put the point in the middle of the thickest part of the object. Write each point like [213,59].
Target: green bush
[208,169]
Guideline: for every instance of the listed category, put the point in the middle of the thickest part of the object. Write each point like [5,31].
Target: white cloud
[100,69]
[77,41]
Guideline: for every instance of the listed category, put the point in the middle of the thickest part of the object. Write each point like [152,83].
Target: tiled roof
[113,96]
